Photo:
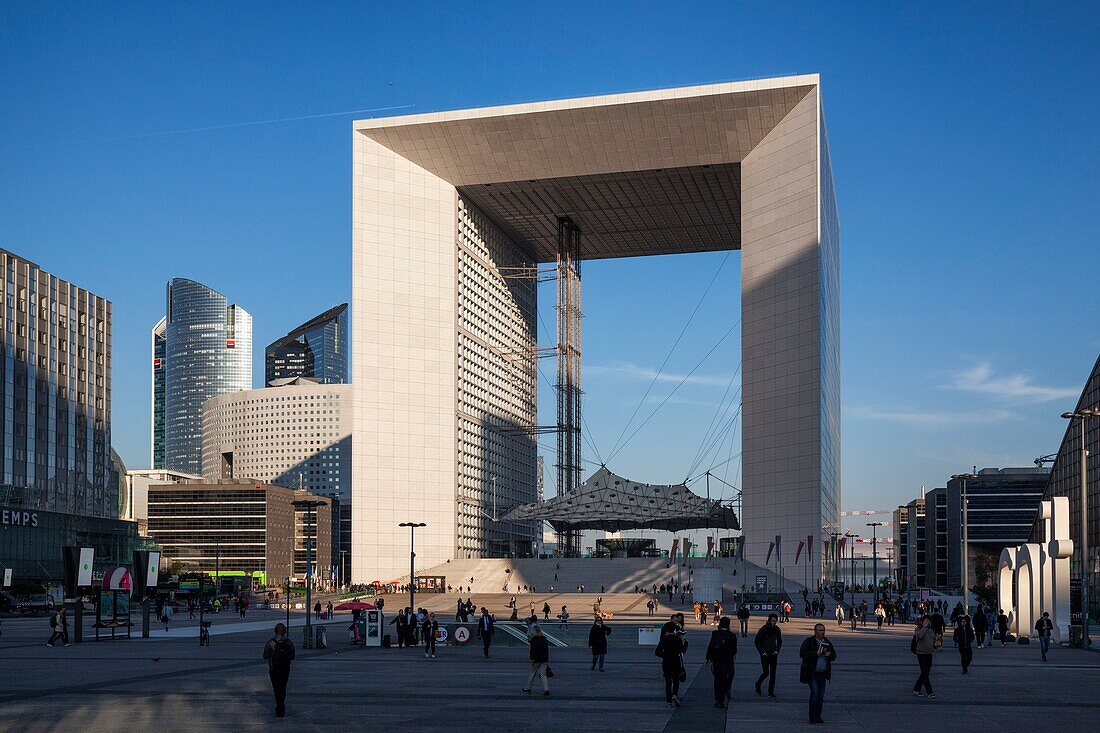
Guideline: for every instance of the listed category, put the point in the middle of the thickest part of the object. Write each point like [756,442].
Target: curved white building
[294,435]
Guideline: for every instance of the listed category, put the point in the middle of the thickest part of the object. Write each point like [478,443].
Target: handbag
[913,644]
[683,672]
[548,672]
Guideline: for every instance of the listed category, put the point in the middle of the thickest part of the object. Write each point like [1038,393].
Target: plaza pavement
[170,683]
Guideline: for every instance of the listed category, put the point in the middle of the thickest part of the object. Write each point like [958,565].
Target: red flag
[798,553]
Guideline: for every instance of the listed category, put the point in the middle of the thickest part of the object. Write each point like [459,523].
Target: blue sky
[964,144]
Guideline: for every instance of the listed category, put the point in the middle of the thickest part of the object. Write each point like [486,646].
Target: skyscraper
[157,438]
[55,388]
[317,349]
[207,352]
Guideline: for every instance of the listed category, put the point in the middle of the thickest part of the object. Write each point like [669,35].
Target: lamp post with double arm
[412,561]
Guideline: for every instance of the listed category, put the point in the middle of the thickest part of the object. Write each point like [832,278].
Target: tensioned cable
[676,388]
[718,440]
[615,447]
[716,426]
[718,411]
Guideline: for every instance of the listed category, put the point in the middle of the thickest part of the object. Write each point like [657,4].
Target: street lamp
[1081,416]
[412,561]
[309,505]
[343,575]
[965,501]
[874,555]
[852,555]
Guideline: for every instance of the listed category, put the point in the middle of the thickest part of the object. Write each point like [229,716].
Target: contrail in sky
[215,127]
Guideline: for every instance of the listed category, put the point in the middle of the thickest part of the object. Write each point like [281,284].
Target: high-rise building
[156,442]
[207,352]
[317,349]
[55,389]
[449,233]
[916,555]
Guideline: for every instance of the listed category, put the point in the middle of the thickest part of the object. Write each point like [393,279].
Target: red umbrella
[354,606]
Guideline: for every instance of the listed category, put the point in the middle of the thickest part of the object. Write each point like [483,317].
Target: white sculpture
[1033,578]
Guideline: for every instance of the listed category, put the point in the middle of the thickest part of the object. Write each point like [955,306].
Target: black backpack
[282,653]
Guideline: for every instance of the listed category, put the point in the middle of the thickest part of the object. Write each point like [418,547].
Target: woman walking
[964,640]
[924,646]
[539,653]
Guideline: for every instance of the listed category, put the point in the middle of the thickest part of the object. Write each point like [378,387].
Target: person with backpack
[769,640]
[817,654]
[743,614]
[597,642]
[670,649]
[59,622]
[1044,627]
[539,654]
[923,644]
[279,653]
[964,640]
[720,656]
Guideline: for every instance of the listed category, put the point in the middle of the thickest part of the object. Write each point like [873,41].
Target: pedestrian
[485,630]
[460,610]
[190,608]
[59,622]
[720,656]
[743,614]
[649,606]
[279,653]
[923,645]
[768,642]
[328,608]
[817,654]
[563,617]
[880,614]
[1044,626]
[539,654]
[671,648]
[167,617]
[597,642]
[703,609]
[839,614]
[428,630]
[964,640]
[399,622]
[1002,626]
[981,626]
[786,612]
[545,611]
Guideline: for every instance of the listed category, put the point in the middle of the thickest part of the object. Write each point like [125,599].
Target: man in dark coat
[485,630]
[1002,626]
[817,654]
[743,617]
[981,626]
[720,653]
[768,642]
[670,649]
[597,642]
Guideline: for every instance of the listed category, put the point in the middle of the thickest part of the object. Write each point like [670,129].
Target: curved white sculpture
[1034,577]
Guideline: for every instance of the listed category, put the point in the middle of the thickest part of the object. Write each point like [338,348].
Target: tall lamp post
[412,561]
[343,575]
[965,501]
[1081,416]
[874,555]
[836,559]
[309,505]
[852,536]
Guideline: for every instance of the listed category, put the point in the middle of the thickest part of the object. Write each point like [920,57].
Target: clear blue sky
[964,144]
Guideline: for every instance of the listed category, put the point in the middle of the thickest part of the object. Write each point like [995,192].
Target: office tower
[317,349]
[207,353]
[156,442]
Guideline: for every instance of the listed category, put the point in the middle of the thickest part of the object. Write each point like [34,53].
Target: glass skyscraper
[206,351]
[317,349]
[55,393]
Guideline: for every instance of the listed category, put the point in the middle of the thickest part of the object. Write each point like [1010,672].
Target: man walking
[428,630]
[485,630]
[964,640]
[539,654]
[743,618]
[167,618]
[817,655]
[1044,627]
[720,656]
[839,614]
[279,653]
[1002,626]
[59,622]
[769,640]
[597,642]
[981,626]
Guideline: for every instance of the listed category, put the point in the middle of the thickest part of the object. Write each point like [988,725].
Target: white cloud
[633,372]
[1018,387]
[926,418]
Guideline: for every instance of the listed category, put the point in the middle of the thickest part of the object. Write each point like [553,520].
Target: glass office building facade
[318,349]
[207,353]
[156,460]
[55,393]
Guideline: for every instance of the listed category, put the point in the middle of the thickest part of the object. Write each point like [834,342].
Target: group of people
[416,628]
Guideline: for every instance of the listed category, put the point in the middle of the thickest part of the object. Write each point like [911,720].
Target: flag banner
[809,543]
[778,550]
[843,540]
[710,546]
[741,549]
[675,546]
[798,552]
[771,548]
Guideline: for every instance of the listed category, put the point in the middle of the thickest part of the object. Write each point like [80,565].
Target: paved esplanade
[110,686]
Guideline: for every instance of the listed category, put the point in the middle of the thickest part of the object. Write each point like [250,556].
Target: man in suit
[485,630]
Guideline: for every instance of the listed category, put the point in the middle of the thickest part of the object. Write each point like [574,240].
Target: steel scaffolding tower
[569,372]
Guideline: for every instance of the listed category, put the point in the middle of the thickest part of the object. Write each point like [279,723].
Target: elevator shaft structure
[569,372]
